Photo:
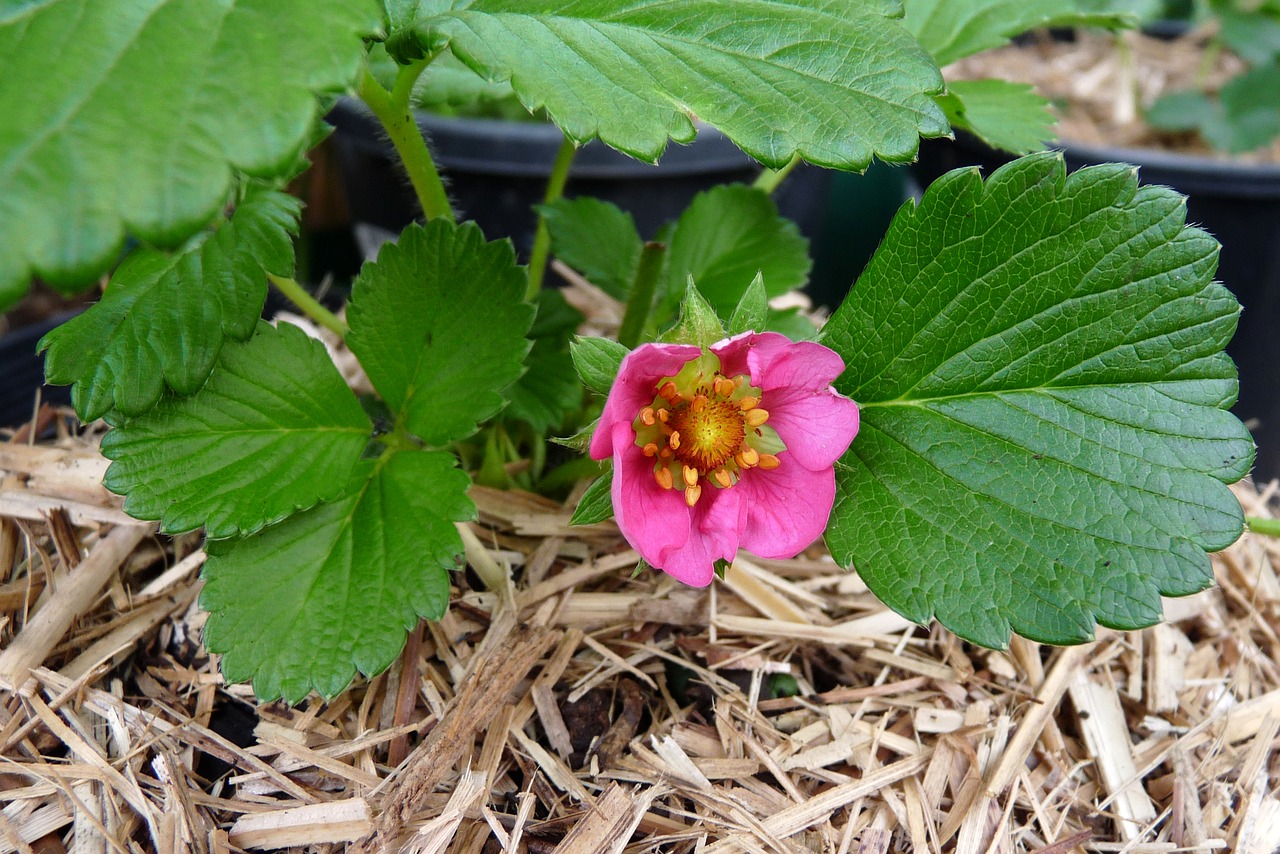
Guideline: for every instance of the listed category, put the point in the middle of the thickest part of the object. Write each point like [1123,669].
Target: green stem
[640,300]
[308,304]
[770,178]
[542,238]
[1266,527]
[393,110]
[1207,60]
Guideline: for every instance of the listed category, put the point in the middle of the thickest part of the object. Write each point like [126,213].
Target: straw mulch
[582,710]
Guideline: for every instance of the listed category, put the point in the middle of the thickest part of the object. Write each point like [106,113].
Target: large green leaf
[304,604]
[438,324]
[836,81]
[274,430]
[1005,115]
[131,115]
[954,29]
[1044,439]
[163,318]
[727,236]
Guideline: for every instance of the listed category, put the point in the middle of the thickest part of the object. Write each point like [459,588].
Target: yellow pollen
[756,417]
[690,476]
[749,403]
[692,494]
[722,478]
[675,440]
[647,416]
[650,449]
[769,461]
[664,478]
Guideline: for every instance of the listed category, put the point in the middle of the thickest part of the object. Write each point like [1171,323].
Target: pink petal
[652,522]
[735,352]
[717,519]
[816,426]
[803,364]
[635,388]
[787,507]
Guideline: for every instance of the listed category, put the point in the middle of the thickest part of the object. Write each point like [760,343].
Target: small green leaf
[549,390]
[597,502]
[163,318]
[954,29]
[1183,111]
[438,324]
[1005,115]
[698,323]
[747,68]
[596,238]
[1255,35]
[791,323]
[579,441]
[1045,439]
[274,430]
[133,115]
[597,361]
[727,235]
[753,309]
[1251,104]
[346,580]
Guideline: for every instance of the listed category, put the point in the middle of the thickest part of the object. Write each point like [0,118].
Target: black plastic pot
[497,171]
[22,373]
[1239,204]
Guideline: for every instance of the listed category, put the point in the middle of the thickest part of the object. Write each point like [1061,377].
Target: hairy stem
[640,300]
[308,304]
[542,238]
[770,178]
[393,110]
[1266,527]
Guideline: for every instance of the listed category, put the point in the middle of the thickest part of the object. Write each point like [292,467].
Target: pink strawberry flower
[727,448]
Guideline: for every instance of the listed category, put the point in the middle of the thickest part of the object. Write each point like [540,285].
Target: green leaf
[1251,105]
[727,236]
[1183,111]
[597,361]
[596,504]
[1004,115]
[133,115]
[438,324]
[163,319]
[596,238]
[634,74]
[273,431]
[347,579]
[1044,438]
[791,323]
[954,29]
[548,391]
[1255,36]
[753,309]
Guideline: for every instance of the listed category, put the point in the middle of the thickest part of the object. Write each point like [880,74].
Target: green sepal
[597,502]
[753,309]
[597,361]
[698,323]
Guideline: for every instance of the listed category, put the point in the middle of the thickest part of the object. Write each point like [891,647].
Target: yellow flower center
[705,428]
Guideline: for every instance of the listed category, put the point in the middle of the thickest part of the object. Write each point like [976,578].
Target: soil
[1100,84]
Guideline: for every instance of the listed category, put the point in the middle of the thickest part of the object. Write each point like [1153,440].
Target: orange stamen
[692,494]
[722,478]
[670,392]
[750,457]
[769,461]
[699,403]
[690,476]
[756,417]
[674,440]
[647,417]
[664,478]
[748,403]
[663,415]
[650,449]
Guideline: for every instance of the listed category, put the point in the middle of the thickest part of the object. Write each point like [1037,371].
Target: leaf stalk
[769,179]
[542,237]
[393,110]
[1266,527]
[308,304]
[640,299]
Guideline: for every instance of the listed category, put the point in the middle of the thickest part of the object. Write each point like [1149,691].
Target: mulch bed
[581,710]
